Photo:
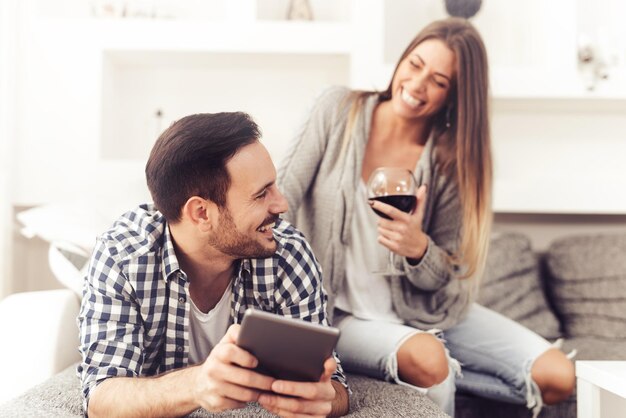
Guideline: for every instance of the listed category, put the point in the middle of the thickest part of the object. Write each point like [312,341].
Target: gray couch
[576,290]
[59,397]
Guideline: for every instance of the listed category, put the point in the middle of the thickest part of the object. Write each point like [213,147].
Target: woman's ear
[201,213]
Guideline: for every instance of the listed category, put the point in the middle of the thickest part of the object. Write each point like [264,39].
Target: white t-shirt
[365,295]
[207,329]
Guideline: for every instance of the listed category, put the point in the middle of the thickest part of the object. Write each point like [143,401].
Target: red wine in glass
[405,203]
[396,187]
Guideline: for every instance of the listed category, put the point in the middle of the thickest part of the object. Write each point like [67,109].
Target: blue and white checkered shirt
[134,316]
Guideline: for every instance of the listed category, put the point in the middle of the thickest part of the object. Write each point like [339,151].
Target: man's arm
[224,381]
[139,396]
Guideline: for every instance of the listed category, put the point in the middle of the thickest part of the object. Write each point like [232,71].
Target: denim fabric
[369,348]
[495,354]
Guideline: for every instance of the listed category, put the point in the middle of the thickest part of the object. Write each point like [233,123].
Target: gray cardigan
[320,183]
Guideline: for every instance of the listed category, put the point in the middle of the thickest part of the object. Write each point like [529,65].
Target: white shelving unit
[256,38]
[557,147]
[601,387]
[88,89]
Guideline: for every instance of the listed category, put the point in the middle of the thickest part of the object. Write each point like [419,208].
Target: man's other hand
[303,399]
[225,381]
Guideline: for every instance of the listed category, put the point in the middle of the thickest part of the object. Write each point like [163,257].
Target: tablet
[287,348]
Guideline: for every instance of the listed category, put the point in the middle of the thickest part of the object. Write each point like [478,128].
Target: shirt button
[180,348]
[181,299]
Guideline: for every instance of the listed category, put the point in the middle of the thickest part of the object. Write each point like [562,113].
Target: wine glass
[395,187]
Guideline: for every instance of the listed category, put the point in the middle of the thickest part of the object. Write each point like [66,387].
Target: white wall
[94,106]
[559,155]
[269,87]
[9,18]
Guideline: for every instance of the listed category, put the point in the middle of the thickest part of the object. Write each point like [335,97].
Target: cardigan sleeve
[434,270]
[444,298]
[298,170]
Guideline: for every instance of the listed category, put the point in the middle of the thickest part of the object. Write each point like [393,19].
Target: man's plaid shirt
[134,316]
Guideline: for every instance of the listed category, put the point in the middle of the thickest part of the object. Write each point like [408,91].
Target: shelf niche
[275,89]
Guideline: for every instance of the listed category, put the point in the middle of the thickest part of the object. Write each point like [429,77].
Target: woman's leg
[503,360]
[397,353]
[422,361]
[555,375]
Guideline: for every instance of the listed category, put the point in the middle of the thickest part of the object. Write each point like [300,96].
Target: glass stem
[391,267]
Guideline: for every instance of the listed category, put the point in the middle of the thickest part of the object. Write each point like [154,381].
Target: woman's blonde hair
[463,147]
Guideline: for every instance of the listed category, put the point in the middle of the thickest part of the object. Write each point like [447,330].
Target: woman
[433,120]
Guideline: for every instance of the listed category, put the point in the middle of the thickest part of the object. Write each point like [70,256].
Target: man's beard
[230,241]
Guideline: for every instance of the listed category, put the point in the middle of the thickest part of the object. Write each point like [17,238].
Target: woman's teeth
[410,100]
[266,227]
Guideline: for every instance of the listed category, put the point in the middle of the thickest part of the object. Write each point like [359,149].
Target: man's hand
[302,399]
[224,380]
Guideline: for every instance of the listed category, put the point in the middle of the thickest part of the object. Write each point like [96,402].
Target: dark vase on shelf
[463,8]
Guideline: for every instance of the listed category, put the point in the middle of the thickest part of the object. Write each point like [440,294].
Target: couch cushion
[512,285]
[594,348]
[588,284]
[60,396]
[470,406]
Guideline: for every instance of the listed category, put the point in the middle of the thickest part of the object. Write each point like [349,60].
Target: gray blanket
[60,396]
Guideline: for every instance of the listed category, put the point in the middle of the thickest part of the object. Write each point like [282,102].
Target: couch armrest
[40,338]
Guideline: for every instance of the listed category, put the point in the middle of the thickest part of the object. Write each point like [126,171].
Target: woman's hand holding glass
[402,234]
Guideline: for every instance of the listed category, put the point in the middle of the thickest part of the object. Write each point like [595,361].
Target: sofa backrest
[588,284]
[513,285]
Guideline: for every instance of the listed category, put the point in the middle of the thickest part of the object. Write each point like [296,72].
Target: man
[165,282]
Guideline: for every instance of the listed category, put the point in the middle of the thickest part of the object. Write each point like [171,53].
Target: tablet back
[287,348]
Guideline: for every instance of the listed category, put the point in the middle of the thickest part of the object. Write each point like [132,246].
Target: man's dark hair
[190,157]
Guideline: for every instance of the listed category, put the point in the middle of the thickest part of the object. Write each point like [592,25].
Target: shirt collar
[170,262]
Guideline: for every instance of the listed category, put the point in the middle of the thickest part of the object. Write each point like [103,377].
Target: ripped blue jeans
[494,352]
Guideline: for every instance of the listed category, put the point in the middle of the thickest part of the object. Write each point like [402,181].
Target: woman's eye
[439,83]
[414,64]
